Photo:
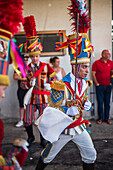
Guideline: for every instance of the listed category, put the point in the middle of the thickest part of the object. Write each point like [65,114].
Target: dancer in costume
[39,79]
[8,53]
[65,122]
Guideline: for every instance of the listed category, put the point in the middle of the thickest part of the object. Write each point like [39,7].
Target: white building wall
[101,29]
[53,15]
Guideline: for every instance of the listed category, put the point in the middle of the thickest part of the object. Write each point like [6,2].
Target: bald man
[101,74]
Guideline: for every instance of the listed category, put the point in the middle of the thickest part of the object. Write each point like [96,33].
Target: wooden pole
[76,56]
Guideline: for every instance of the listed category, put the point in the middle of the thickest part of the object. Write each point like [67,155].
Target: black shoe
[30,140]
[88,166]
[40,165]
[31,137]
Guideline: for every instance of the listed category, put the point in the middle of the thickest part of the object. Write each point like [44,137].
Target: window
[48,40]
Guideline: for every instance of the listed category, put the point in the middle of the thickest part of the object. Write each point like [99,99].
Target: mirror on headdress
[3,49]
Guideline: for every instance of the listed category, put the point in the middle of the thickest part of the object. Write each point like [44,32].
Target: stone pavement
[69,157]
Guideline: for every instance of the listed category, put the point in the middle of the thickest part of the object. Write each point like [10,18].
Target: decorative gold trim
[2,161]
[3,37]
[4,80]
[80,61]
[73,36]
[58,85]
[90,83]
[32,37]
[8,32]
[33,53]
[52,75]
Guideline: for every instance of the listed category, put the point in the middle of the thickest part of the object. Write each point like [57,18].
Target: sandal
[108,122]
[99,122]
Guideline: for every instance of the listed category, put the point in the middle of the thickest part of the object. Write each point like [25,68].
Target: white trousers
[83,142]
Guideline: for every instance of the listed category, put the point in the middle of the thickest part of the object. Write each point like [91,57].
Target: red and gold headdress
[10,18]
[33,43]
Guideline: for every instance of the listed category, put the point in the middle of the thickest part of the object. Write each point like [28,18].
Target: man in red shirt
[101,74]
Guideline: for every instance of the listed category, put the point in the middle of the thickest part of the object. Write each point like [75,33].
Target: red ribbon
[66,43]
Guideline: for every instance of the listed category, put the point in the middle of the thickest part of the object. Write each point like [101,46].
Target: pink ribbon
[18,59]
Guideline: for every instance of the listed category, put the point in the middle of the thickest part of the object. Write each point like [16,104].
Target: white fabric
[20,142]
[87,105]
[32,65]
[82,7]
[59,74]
[26,148]
[72,111]
[84,85]
[33,82]
[27,97]
[83,142]
[1,48]
[47,86]
[52,122]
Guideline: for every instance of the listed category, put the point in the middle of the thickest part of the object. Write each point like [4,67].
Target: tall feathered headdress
[78,9]
[10,19]
[33,43]
[11,15]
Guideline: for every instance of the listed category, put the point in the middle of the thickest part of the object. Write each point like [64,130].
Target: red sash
[77,122]
[39,92]
[39,71]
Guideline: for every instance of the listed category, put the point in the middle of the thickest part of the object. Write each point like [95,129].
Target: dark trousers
[103,94]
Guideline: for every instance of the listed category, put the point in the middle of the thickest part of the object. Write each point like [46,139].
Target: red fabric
[41,92]
[103,71]
[50,70]
[79,87]
[40,70]
[70,88]
[78,122]
[8,11]
[8,167]
[72,91]
[30,26]
[84,19]
[43,77]
[21,157]
[1,135]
